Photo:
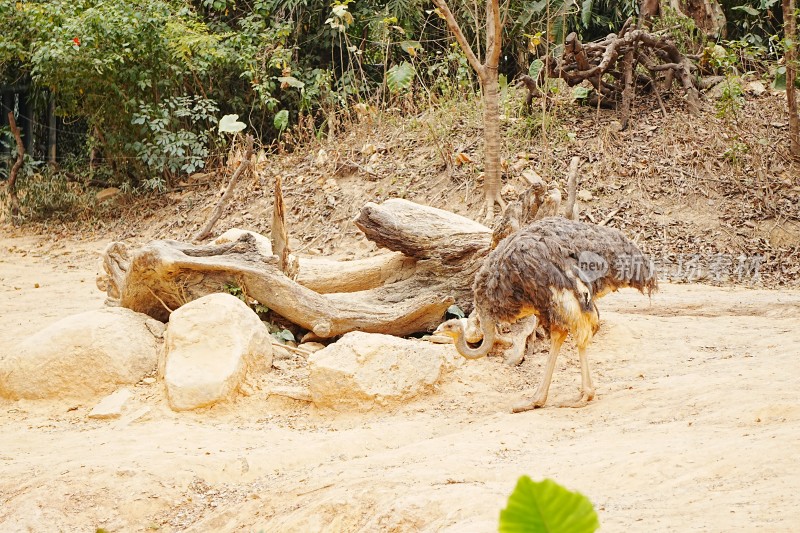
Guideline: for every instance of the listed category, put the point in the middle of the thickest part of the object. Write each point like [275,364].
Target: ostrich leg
[587,389]
[540,396]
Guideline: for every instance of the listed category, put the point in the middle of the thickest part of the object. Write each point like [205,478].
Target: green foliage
[235,289]
[547,507]
[455,311]
[752,21]
[281,120]
[581,93]
[682,30]
[174,135]
[44,194]
[284,335]
[399,77]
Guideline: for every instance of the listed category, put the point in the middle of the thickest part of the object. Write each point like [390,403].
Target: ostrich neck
[488,327]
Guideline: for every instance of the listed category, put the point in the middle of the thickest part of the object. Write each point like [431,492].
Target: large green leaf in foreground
[547,507]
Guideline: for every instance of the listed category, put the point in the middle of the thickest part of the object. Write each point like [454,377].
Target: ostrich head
[456,330]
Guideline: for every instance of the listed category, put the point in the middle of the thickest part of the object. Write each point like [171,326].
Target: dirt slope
[696,428]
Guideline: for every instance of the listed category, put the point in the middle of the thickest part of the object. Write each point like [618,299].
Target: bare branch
[452,24]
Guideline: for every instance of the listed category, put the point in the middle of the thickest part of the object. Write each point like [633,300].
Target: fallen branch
[441,254]
[244,164]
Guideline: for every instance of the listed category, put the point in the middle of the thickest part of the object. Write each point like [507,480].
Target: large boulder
[82,356]
[211,344]
[365,370]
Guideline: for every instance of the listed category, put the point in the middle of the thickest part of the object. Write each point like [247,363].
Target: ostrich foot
[529,406]
[582,401]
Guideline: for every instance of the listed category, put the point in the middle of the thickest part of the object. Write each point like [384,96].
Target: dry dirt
[696,428]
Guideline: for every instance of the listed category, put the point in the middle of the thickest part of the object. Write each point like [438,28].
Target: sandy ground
[696,428]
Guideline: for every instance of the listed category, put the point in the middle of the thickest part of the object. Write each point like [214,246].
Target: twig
[160,300]
[610,217]
[280,235]
[244,164]
[300,351]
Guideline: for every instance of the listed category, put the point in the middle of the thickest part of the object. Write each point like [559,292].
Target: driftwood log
[436,256]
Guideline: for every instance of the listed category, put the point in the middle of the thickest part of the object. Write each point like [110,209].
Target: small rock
[280,353]
[585,196]
[111,406]
[295,393]
[756,88]
[149,381]
[312,346]
[615,125]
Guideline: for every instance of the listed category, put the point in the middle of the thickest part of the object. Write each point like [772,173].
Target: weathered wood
[420,231]
[327,275]
[446,250]
[164,275]
[280,234]
[570,211]
[609,65]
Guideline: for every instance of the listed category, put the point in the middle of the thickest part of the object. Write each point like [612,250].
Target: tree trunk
[488,76]
[492,172]
[708,15]
[790,55]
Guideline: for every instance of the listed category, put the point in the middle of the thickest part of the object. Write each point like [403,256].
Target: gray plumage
[555,269]
[522,270]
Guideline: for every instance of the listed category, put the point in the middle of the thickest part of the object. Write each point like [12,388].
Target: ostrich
[554,269]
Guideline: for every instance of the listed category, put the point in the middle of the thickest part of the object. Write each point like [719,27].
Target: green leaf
[411,47]
[779,84]
[535,68]
[586,12]
[291,81]
[281,120]
[231,124]
[580,93]
[547,507]
[456,311]
[284,335]
[747,9]
[399,77]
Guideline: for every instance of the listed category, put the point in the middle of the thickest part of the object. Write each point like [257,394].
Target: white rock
[363,370]
[280,352]
[111,406]
[756,88]
[312,346]
[82,356]
[585,196]
[210,345]
[263,244]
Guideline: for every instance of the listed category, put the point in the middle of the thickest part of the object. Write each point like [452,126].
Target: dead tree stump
[394,294]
